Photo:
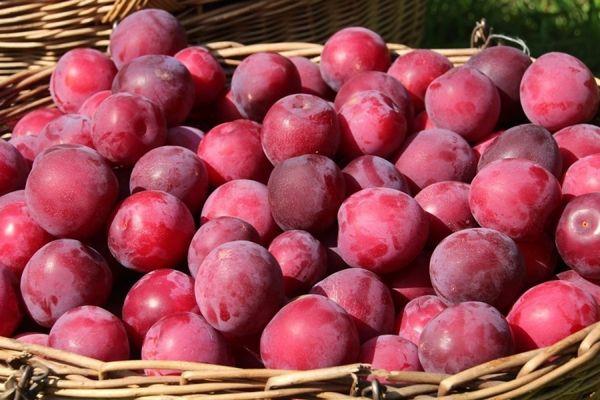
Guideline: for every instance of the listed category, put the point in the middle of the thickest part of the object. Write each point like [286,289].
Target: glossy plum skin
[239,287]
[20,236]
[416,70]
[163,80]
[477,264]
[582,177]
[300,124]
[464,101]
[373,314]
[311,81]
[411,281]
[207,74]
[590,287]
[92,332]
[246,200]
[214,233]
[79,74]
[380,82]
[540,259]
[447,346]
[302,258]
[174,170]
[351,51]
[10,308]
[32,123]
[515,197]
[381,229]
[549,312]
[371,123]
[416,315]
[558,90]
[371,171]
[391,353]
[577,141]
[233,150]
[156,295]
[62,275]
[13,168]
[144,32]
[89,107]
[309,332]
[262,79]
[305,193]
[578,235]
[126,126]
[529,142]
[150,230]
[33,338]
[185,136]
[66,129]
[447,155]
[447,206]
[505,66]
[71,191]
[184,337]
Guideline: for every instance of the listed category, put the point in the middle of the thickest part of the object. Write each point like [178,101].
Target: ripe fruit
[477,264]
[411,281]
[381,229]
[464,101]
[305,193]
[184,336]
[311,81]
[80,73]
[514,196]
[163,80]
[10,308]
[300,124]
[302,259]
[66,129]
[62,275]
[92,332]
[260,80]
[32,123]
[13,168]
[20,235]
[239,287]
[417,314]
[447,155]
[150,230]
[582,177]
[577,141]
[70,191]
[549,312]
[185,136]
[233,150]
[174,170]
[391,353]
[371,171]
[351,51]
[578,235]
[150,31]
[158,294]
[309,332]
[463,336]
[416,70]
[373,315]
[207,74]
[126,126]
[214,233]
[558,90]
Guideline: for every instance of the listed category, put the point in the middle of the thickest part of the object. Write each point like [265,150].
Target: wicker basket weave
[570,369]
[35,33]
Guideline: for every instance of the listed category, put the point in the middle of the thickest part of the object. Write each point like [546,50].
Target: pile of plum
[411,215]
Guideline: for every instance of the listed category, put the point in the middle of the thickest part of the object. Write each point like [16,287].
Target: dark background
[545,25]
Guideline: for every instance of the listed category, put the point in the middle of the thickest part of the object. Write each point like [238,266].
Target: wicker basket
[570,369]
[34,33]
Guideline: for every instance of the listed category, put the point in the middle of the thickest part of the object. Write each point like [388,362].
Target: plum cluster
[399,212]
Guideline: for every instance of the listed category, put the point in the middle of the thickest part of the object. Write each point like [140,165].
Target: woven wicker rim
[567,368]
